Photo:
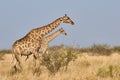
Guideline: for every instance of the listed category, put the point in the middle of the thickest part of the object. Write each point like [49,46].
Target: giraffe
[45,40]
[27,44]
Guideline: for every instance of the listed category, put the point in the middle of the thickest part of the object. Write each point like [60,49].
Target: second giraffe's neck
[52,36]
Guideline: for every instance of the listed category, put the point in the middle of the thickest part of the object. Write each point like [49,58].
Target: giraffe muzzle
[72,23]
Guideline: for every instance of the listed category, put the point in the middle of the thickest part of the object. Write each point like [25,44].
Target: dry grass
[83,67]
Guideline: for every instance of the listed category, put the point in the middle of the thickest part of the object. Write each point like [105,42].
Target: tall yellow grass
[85,67]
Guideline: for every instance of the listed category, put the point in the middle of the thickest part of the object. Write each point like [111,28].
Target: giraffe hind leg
[17,64]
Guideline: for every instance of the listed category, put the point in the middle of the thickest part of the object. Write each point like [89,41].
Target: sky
[96,21]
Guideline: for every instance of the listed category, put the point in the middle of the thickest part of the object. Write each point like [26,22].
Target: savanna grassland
[98,62]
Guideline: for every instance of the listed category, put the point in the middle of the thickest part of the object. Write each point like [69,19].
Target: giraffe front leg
[37,63]
[35,58]
[38,58]
[14,64]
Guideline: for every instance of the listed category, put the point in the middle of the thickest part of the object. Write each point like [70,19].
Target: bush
[110,71]
[57,58]
[101,49]
[116,48]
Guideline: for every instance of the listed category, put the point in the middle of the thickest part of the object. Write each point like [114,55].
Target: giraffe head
[67,19]
[62,31]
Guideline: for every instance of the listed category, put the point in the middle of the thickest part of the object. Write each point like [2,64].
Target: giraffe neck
[40,32]
[52,36]
[48,28]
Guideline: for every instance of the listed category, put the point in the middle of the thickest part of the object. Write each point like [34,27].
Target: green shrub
[57,58]
[102,72]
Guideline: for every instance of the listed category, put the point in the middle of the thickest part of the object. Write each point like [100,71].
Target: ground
[84,67]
